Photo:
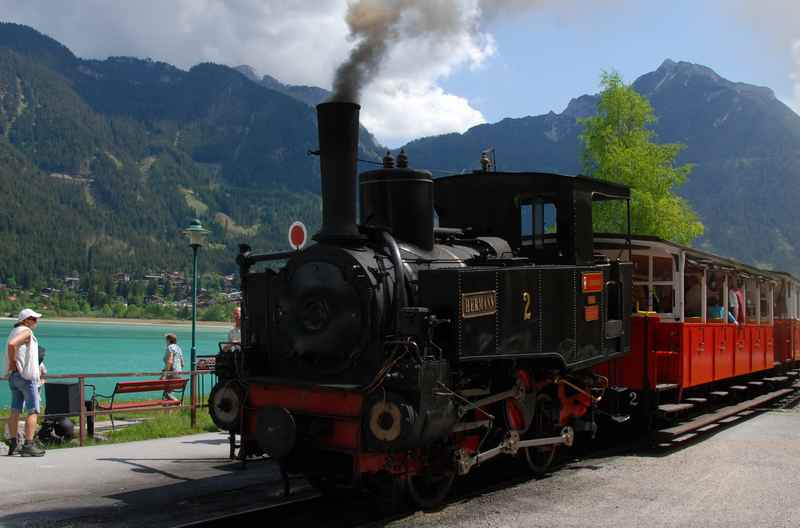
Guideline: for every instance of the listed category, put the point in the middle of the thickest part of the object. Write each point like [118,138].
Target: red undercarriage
[343,410]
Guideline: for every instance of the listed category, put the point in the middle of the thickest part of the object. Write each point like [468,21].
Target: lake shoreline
[137,322]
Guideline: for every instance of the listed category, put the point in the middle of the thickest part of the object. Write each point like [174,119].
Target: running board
[725,412]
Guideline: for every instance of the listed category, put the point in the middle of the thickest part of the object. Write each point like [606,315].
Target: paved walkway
[745,476]
[150,483]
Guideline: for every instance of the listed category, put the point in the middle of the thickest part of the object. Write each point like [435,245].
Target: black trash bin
[62,397]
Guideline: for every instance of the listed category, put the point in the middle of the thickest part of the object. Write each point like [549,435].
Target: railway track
[284,509]
[308,508]
[789,401]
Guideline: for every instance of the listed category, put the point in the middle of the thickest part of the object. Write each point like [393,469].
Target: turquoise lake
[81,348]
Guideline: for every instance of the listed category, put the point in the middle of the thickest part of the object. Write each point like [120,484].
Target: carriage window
[693,292]
[653,283]
[663,299]
[641,268]
[641,298]
[662,268]
[782,294]
[764,293]
[715,297]
[735,296]
[751,301]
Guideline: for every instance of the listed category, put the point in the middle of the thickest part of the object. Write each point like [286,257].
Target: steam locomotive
[459,319]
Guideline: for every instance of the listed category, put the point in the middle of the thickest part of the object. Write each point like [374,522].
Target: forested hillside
[103,162]
[744,143]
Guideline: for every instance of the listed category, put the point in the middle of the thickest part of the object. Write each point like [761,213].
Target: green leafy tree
[619,147]
[215,312]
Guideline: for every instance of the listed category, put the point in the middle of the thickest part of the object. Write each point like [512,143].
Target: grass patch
[155,424]
[165,424]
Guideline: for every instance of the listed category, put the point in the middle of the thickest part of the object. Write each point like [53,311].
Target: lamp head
[196,234]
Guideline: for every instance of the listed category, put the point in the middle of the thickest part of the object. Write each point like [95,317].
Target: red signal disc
[297,235]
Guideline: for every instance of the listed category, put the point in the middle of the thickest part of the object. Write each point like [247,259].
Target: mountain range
[744,144]
[102,162]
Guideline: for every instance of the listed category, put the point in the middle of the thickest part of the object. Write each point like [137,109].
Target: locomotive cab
[545,217]
[557,301]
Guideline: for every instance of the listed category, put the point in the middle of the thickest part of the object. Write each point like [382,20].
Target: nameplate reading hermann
[478,304]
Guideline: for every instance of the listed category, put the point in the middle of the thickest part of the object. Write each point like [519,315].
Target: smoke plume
[378,25]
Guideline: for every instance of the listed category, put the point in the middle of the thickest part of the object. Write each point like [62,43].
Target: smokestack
[338,147]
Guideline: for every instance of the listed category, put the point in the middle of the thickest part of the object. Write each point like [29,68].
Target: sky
[452,64]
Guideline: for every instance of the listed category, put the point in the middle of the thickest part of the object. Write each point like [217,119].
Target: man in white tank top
[22,369]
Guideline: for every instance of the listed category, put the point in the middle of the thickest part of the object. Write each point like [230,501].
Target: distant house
[120,276]
[234,296]
[175,278]
[154,299]
[204,299]
[72,282]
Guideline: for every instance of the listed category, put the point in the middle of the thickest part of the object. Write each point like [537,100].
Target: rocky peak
[583,106]
[671,74]
[272,83]
[248,72]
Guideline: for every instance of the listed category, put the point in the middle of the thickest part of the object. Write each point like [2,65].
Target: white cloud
[405,102]
[296,41]
[777,22]
[399,111]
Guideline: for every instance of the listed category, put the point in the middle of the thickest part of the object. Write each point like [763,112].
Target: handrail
[84,414]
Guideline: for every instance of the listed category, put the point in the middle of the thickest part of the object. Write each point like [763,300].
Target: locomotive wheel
[225,405]
[329,486]
[388,493]
[539,459]
[427,490]
[437,472]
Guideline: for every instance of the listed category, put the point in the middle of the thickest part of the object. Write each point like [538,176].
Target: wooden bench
[140,386]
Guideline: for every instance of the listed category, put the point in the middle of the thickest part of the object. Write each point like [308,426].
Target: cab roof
[525,182]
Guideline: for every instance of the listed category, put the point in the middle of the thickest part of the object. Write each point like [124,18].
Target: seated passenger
[716,312]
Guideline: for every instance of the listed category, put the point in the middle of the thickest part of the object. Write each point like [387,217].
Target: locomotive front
[328,319]
[395,351]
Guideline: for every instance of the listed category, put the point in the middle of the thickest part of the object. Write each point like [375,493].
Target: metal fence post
[82,419]
[194,399]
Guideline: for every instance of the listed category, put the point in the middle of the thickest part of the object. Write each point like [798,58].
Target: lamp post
[197,238]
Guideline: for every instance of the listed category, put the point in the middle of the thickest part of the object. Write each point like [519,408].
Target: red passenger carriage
[703,321]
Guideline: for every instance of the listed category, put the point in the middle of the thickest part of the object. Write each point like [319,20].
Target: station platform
[163,482]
